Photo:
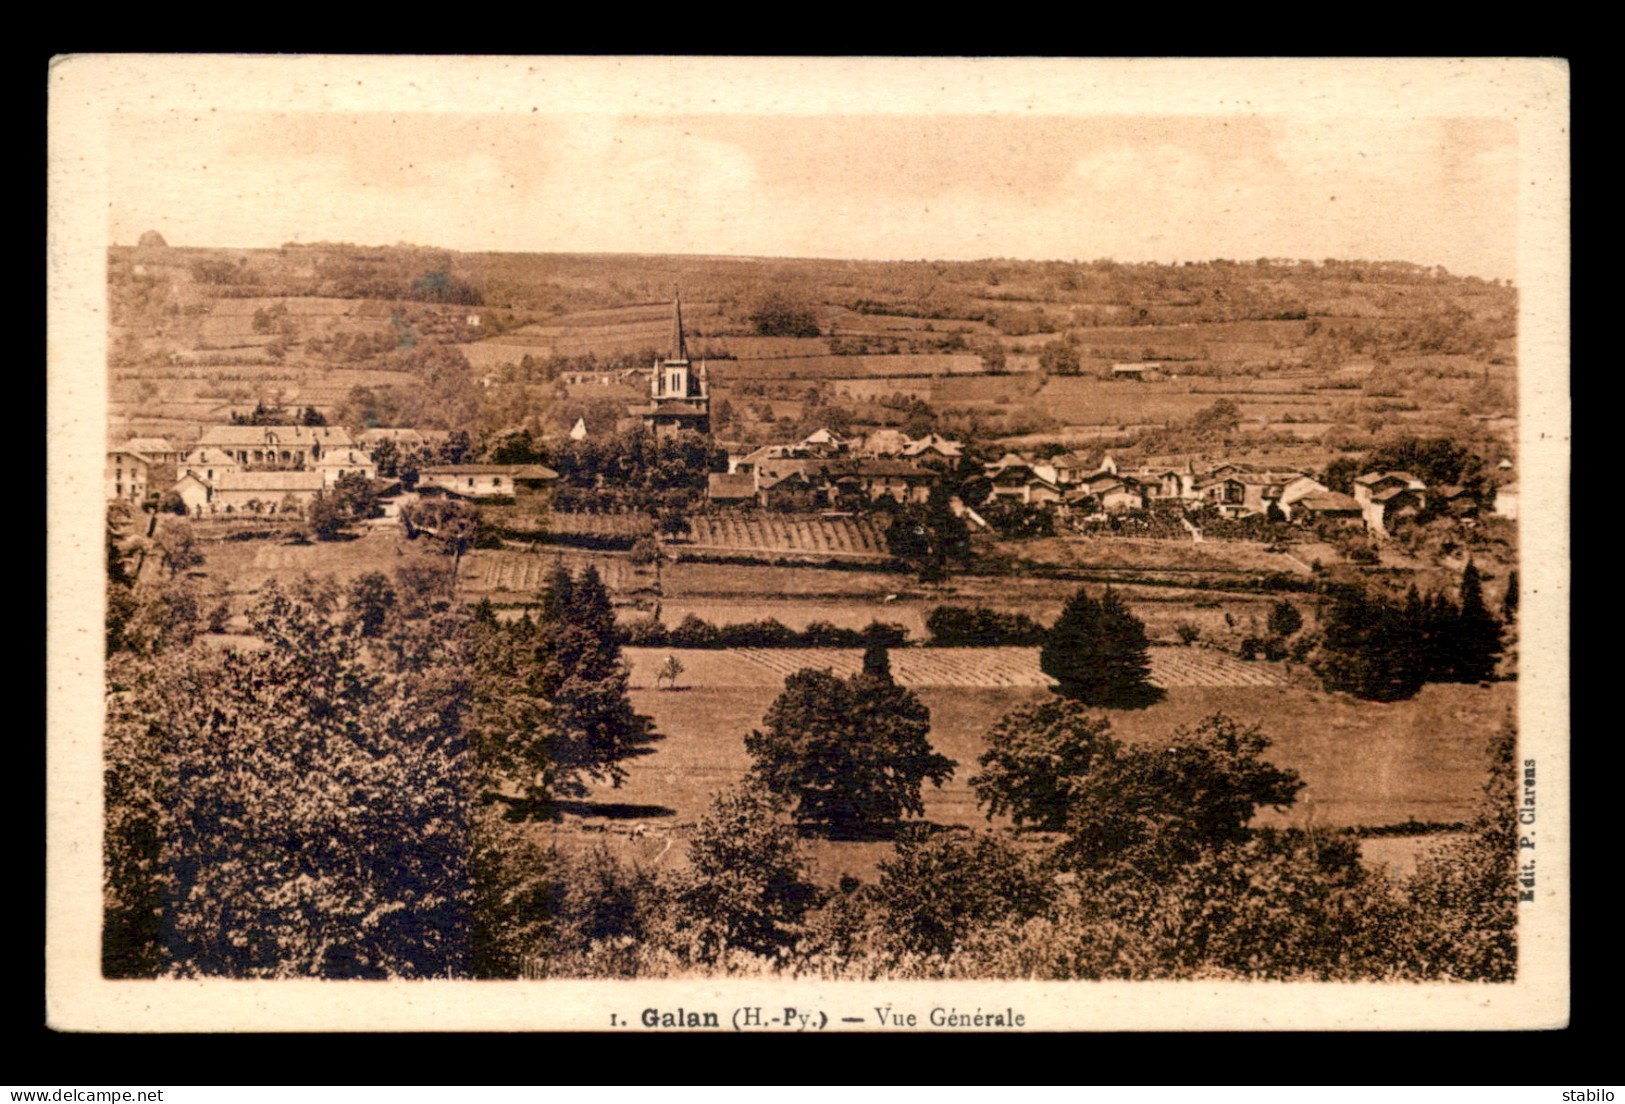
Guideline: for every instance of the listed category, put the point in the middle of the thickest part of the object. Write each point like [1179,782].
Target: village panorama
[616,616]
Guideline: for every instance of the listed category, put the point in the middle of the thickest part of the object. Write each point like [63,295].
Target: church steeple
[679,348]
[680,395]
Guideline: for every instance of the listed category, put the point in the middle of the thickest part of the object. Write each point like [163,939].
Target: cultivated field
[986,668]
[1087,400]
[841,536]
[844,614]
[508,576]
[1217,556]
[695,580]
[1364,764]
[847,367]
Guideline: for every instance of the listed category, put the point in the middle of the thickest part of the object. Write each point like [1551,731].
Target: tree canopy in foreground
[850,754]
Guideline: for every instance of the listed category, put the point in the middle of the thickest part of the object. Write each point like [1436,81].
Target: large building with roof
[279,446]
[679,393]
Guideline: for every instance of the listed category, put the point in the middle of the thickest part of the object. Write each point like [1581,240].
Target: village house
[785,476]
[1238,490]
[193,492]
[1013,478]
[679,395]
[785,485]
[1107,494]
[336,463]
[932,447]
[886,442]
[1064,470]
[731,488]
[485,480]
[825,442]
[1296,488]
[1327,506]
[127,475]
[207,464]
[158,450]
[1387,497]
[281,446]
[1456,500]
[263,492]
[1174,484]
[880,478]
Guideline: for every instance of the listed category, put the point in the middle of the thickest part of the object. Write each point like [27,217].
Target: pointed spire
[679,349]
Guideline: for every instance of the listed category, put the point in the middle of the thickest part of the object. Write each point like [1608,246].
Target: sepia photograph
[838,544]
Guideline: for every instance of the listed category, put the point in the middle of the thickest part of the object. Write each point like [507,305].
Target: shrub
[747,888]
[935,891]
[1156,807]
[1037,758]
[1284,619]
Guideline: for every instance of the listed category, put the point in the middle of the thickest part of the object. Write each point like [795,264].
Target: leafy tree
[852,754]
[550,698]
[781,315]
[1509,601]
[1466,890]
[1098,652]
[1221,418]
[1438,461]
[328,518]
[371,600]
[180,551]
[351,498]
[455,524]
[1017,520]
[516,448]
[1155,808]
[669,671]
[121,601]
[1280,905]
[645,551]
[935,892]
[1371,648]
[1284,619]
[929,536]
[747,888]
[294,811]
[1037,759]
[1340,473]
[386,457]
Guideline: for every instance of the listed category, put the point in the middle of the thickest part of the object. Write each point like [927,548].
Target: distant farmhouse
[485,481]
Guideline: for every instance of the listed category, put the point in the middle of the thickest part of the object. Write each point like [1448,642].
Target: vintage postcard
[807,545]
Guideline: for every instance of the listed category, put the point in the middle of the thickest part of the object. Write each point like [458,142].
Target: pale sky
[1428,188]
